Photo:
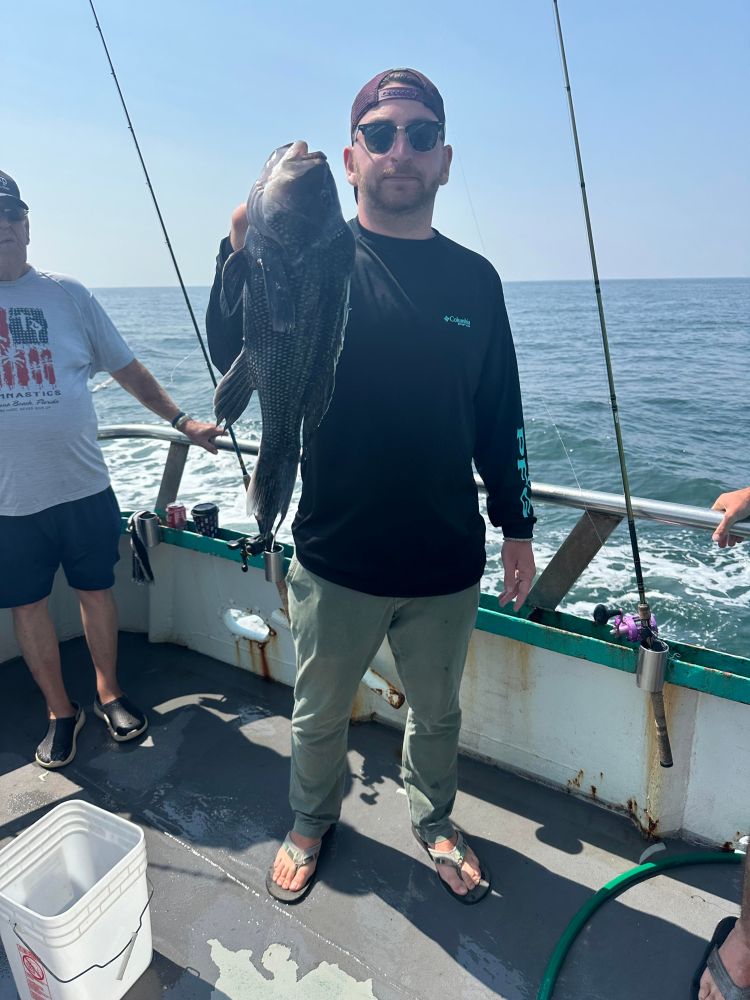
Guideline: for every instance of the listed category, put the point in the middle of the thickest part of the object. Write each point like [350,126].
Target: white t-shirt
[54,336]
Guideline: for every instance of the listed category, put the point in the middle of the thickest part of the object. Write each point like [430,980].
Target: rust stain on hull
[575,782]
[257,653]
[647,824]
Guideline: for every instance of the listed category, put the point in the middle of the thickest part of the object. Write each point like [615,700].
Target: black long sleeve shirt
[426,382]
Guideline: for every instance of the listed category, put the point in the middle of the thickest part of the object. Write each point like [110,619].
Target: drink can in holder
[176,516]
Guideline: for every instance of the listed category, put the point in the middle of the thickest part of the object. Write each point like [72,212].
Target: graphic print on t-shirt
[27,371]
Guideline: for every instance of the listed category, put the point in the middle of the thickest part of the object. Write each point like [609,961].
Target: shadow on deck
[208,784]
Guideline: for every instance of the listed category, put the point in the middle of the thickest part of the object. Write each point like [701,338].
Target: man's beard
[406,202]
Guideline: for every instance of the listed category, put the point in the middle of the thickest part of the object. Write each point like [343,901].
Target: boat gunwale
[697,668]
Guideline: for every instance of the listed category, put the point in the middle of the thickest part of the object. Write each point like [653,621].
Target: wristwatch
[180,420]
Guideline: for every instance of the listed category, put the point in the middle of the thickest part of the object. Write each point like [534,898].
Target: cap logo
[407,93]
[3,182]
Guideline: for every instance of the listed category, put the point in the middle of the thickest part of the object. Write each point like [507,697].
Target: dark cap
[404,85]
[9,192]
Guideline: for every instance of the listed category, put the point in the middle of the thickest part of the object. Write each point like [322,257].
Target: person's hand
[736,506]
[519,566]
[239,226]
[202,434]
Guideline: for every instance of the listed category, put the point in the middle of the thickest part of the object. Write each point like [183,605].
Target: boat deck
[208,784]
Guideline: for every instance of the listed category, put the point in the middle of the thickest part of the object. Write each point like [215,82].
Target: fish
[291,279]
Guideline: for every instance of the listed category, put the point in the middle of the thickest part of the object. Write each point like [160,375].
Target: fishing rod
[188,303]
[653,652]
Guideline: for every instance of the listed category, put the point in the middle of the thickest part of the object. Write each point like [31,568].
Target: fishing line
[644,611]
[188,303]
[572,469]
[188,356]
[471,203]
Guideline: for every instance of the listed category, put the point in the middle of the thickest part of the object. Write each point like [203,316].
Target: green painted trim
[705,670]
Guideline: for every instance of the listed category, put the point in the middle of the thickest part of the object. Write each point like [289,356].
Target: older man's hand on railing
[736,507]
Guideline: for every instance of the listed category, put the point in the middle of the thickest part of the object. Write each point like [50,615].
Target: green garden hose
[609,891]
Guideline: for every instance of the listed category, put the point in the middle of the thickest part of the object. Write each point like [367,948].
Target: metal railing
[602,512]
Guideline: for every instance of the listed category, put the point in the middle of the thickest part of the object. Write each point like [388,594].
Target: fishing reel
[628,625]
[273,557]
[653,656]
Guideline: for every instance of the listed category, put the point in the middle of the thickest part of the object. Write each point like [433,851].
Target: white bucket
[73,896]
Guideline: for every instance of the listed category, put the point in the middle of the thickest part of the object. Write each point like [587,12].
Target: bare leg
[735,952]
[36,636]
[99,616]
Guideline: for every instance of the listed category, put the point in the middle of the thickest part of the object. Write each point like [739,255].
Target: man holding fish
[388,534]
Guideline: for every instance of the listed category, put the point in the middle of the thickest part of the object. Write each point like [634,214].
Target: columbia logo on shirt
[458,320]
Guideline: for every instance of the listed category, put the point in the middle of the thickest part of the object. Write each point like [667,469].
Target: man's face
[14,238]
[402,179]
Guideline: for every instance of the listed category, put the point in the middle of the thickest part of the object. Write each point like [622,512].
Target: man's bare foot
[735,954]
[284,868]
[471,871]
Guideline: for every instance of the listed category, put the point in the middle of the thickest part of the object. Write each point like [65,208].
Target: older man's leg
[99,616]
[735,952]
[36,636]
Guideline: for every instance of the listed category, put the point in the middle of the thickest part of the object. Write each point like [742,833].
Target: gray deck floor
[208,784]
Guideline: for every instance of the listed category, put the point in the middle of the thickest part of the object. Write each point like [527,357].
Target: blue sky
[661,95]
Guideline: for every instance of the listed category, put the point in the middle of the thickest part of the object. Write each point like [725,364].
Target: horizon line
[505,281]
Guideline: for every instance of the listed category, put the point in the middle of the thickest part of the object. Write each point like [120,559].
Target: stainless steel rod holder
[274,563]
[652,665]
[147,526]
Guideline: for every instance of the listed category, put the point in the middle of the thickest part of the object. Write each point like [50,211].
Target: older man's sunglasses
[380,136]
[14,214]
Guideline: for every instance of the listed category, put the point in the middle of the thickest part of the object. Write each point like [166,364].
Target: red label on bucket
[36,979]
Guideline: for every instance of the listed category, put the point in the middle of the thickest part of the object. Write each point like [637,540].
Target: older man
[56,503]
[389,537]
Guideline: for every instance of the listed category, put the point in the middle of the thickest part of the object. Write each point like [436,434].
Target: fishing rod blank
[188,303]
[653,652]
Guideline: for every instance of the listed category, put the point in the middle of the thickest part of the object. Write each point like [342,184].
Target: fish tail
[270,491]
[234,391]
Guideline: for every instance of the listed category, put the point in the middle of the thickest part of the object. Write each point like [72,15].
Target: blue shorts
[82,535]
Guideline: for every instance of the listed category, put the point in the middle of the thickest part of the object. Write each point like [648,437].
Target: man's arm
[736,507]
[224,333]
[139,382]
[501,460]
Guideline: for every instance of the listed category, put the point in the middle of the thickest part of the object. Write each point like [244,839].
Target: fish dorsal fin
[278,290]
[233,278]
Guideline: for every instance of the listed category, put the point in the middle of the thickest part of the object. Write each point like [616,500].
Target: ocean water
[680,350]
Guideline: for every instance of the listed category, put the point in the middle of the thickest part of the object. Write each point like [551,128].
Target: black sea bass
[291,280]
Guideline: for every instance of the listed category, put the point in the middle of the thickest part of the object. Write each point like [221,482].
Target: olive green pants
[337,632]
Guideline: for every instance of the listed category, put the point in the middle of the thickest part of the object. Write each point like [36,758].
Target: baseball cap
[403,84]
[9,192]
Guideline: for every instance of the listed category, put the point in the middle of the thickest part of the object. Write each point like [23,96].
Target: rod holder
[274,563]
[652,665]
[147,528]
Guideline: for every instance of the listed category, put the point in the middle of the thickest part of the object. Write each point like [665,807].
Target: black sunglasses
[14,214]
[380,136]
